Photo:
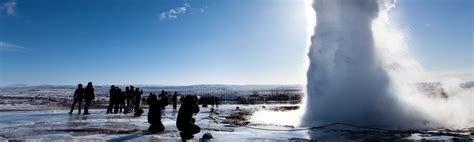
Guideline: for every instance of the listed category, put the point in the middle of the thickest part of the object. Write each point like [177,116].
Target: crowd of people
[124,101]
[130,100]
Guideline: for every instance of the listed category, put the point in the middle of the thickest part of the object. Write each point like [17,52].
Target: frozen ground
[48,125]
[58,125]
[40,113]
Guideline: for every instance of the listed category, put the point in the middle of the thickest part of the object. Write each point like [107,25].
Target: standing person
[116,100]
[181,99]
[185,121]
[164,98]
[216,101]
[119,99]
[154,114]
[132,97]
[175,99]
[138,96]
[162,93]
[164,101]
[144,100]
[111,99]
[77,98]
[212,100]
[129,98]
[89,96]
[123,98]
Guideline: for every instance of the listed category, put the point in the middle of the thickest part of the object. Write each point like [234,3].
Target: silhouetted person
[154,114]
[175,99]
[138,96]
[216,101]
[196,98]
[162,93]
[127,103]
[164,100]
[78,96]
[129,97]
[138,112]
[164,97]
[212,100]
[181,99]
[132,97]
[111,99]
[116,100]
[123,99]
[144,101]
[119,99]
[89,96]
[203,101]
[185,121]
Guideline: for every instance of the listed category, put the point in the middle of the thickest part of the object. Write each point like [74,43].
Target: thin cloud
[9,7]
[202,9]
[4,46]
[173,13]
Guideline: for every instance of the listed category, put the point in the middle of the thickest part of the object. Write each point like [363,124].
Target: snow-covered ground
[58,125]
[49,125]
[40,113]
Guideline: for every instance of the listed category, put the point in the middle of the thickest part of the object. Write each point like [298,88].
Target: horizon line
[225,84]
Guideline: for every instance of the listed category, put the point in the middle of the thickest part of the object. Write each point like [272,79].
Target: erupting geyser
[360,73]
[346,83]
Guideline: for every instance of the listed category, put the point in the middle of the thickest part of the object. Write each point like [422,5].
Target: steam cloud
[361,73]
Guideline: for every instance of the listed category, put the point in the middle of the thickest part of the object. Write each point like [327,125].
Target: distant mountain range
[199,86]
[202,89]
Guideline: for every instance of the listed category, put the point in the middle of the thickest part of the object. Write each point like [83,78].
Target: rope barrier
[364,127]
[267,129]
[294,129]
[322,126]
[210,117]
[373,128]
[172,119]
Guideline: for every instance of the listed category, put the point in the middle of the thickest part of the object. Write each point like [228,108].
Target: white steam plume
[361,72]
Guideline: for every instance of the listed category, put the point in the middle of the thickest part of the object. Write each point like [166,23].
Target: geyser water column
[360,72]
[345,81]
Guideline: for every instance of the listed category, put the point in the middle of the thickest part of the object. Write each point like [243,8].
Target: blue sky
[175,42]
[440,34]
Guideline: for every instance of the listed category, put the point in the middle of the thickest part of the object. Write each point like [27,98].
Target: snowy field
[57,125]
[40,113]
